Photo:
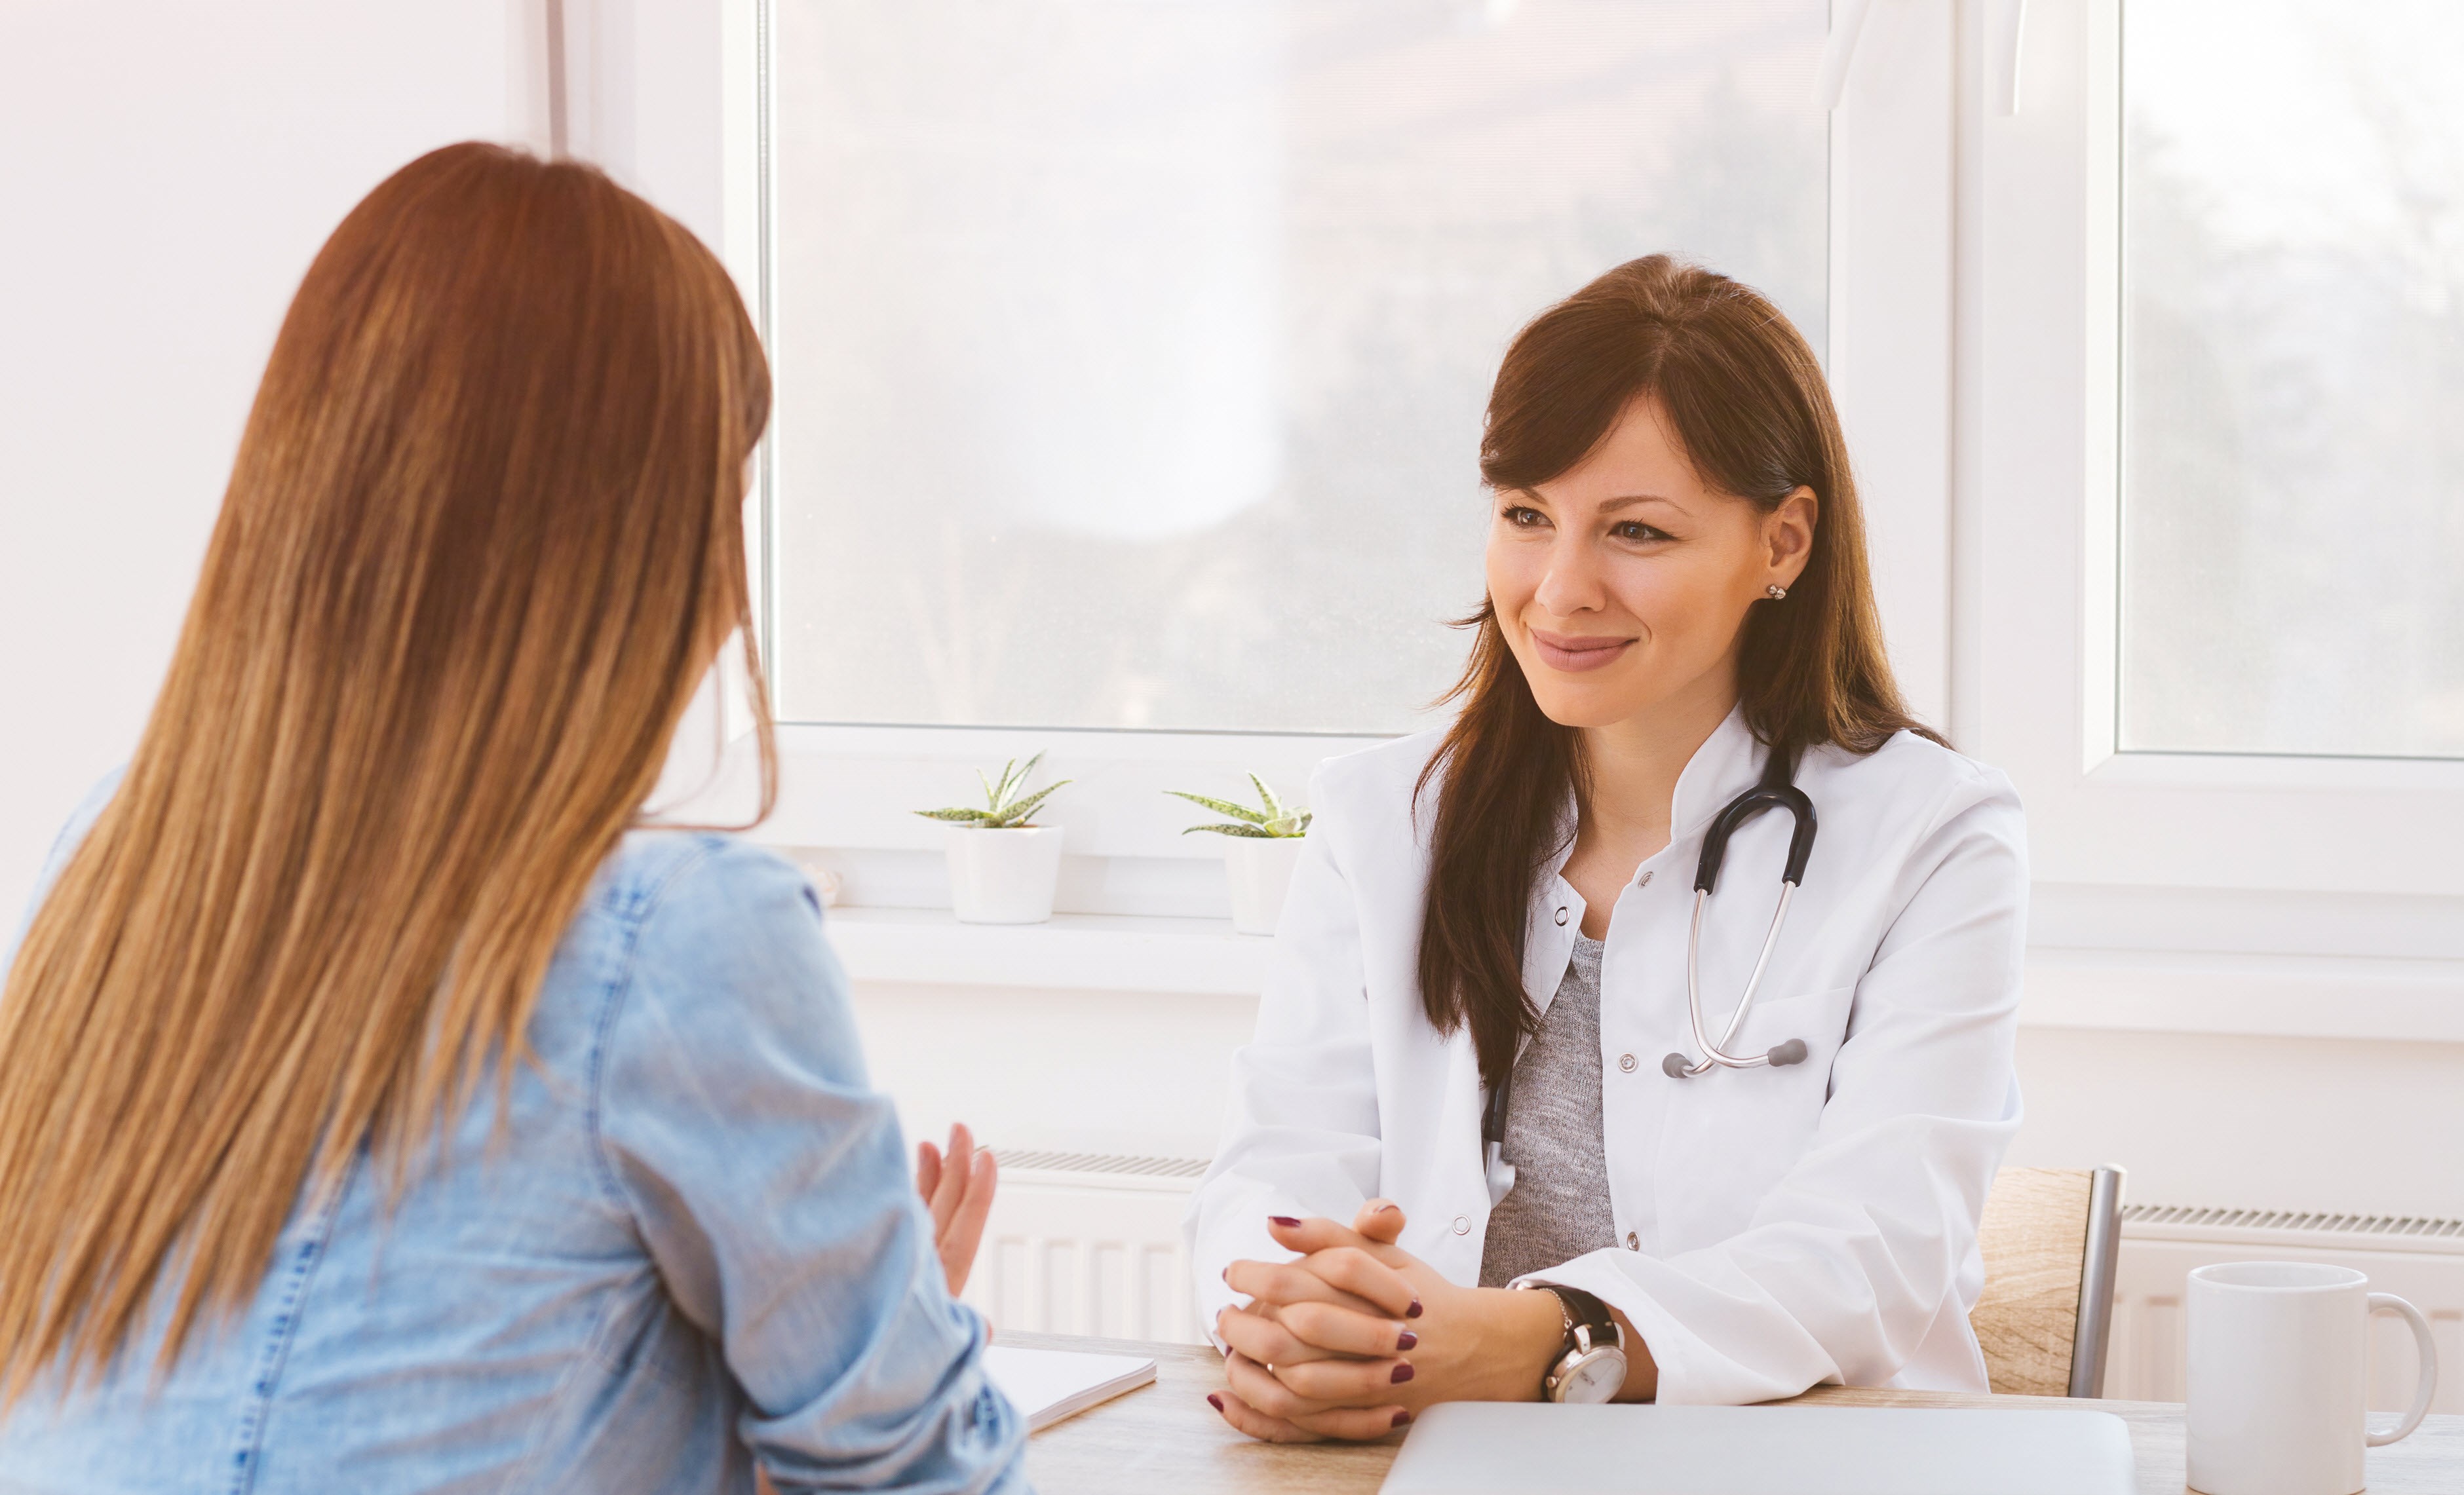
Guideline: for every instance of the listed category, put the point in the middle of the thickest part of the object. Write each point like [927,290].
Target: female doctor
[1476,1069]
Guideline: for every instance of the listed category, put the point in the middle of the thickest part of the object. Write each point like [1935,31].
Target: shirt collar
[1729,763]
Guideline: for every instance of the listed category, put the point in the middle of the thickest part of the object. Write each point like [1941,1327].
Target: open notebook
[1047,1385]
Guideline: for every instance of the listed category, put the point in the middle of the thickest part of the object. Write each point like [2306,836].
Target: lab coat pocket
[1734,1133]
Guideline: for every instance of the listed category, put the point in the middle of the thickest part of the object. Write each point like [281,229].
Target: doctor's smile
[1577,655]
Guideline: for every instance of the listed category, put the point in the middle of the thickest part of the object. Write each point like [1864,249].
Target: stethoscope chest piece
[1777,790]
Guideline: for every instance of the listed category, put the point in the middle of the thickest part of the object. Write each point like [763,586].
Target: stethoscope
[1777,790]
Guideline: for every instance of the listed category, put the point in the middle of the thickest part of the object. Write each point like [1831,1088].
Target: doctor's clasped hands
[1358,1335]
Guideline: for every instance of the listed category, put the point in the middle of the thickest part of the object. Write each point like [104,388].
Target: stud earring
[1774,593]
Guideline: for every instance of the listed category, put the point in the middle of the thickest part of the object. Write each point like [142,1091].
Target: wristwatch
[1592,1368]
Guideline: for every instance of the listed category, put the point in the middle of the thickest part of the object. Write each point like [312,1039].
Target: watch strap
[1585,1311]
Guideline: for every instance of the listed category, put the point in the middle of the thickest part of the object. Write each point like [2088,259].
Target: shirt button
[1625,1062]
[1561,917]
[1463,1226]
[1633,1242]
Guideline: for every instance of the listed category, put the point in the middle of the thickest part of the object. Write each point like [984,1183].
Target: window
[2204,621]
[2292,540]
[1132,353]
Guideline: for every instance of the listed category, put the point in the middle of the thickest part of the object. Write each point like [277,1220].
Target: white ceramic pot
[1261,871]
[1003,876]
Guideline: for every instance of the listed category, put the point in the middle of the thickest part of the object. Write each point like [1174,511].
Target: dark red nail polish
[1215,1401]
[1402,1418]
[1285,1221]
[1413,1312]
[1402,1373]
[1406,1342]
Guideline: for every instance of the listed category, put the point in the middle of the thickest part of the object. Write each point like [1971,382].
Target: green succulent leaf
[1274,819]
[1221,806]
[1016,814]
[1013,779]
[1002,805]
[1235,828]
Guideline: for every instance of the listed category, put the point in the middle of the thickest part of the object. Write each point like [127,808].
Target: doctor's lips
[1568,653]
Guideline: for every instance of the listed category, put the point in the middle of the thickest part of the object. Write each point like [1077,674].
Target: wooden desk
[1166,1439]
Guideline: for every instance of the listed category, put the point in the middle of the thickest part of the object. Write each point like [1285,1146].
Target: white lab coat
[1776,1227]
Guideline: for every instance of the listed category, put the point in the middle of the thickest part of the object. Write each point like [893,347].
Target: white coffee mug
[2280,1378]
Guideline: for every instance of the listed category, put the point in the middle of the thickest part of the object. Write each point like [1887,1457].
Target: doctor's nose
[1572,582]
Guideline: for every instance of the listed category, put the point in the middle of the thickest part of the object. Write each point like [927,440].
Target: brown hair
[1748,404]
[483,537]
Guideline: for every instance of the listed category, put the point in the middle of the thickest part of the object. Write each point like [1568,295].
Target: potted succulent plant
[1261,847]
[1002,866]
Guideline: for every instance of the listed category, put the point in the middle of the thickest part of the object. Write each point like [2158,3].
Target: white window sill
[1077,952]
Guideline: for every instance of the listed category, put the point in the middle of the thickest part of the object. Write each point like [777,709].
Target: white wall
[167,173]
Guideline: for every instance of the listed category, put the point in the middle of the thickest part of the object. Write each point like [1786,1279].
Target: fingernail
[1402,1373]
[1227,1274]
[1386,1209]
[1285,1221]
[1413,1312]
[1406,1341]
[1215,1401]
[1402,1418]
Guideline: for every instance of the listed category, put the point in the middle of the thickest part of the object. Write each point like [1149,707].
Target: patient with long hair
[380,1107]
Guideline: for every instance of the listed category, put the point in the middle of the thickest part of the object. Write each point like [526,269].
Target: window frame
[2245,894]
[846,787]
[1975,356]
[2043,379]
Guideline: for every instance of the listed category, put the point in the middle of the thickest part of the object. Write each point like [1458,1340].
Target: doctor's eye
[1522,516]
[1637,530]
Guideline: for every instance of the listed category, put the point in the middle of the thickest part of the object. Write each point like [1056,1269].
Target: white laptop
[1538,1448]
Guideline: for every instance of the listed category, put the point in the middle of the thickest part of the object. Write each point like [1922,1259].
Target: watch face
[1597,1377]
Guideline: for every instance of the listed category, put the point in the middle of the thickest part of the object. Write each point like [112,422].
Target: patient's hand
[958,1190]
[1352,1338]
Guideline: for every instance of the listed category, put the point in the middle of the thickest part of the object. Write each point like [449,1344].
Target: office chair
[2050,1239]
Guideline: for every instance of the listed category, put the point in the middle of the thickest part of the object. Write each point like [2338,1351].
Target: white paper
[1048,1385]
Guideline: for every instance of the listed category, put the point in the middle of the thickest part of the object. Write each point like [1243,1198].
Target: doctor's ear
[1788,534]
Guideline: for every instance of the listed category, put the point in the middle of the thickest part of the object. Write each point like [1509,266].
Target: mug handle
[2387,1302]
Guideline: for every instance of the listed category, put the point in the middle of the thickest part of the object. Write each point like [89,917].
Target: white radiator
[1090,1244]
[2422,1260]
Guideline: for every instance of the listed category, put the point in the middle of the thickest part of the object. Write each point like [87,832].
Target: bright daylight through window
[1132,353]
[2293,470]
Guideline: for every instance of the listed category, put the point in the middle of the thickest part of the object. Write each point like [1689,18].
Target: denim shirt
[692,1248]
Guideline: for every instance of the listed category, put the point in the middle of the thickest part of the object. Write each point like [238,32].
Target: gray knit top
[1558,1208]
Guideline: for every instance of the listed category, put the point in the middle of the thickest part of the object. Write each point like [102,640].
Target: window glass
[2292,469]
[1132,353]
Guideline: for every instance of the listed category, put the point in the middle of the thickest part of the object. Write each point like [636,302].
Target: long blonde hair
[483,536]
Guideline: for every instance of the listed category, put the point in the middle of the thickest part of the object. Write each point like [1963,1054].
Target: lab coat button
[1561,915]
[1633,1242]
[1462,1225]
[1625,1062]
